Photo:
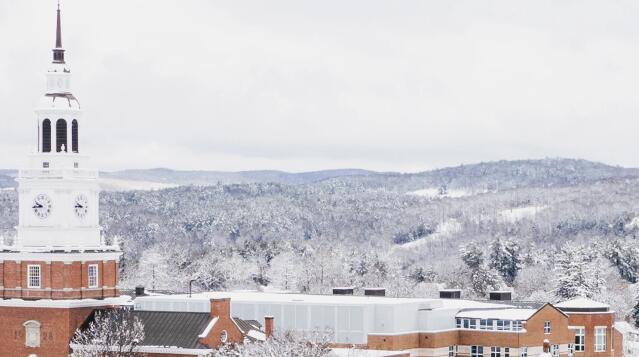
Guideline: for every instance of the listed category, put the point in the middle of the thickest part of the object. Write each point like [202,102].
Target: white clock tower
[58,192]
[58,253]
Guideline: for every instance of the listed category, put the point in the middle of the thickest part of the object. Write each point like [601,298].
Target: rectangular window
[503,325]
[466,323]
[459,323]
[483,325]
[516,325]
[45,165]
[580,339]
[554,349]
[93,275]
[76,165]
[495,352]
[476,351]
[452,351]
[473,324]
[571,349]
[600,339]
[506,351]
[33,276]
[524,352]
[547,329]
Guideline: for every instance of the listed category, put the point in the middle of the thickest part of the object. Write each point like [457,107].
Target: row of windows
[61,136]
[34,276]
[478,351]
[489,324]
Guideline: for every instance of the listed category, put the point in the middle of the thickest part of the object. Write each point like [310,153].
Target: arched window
[74,136]
[61,135]
[32,333]
[46,135]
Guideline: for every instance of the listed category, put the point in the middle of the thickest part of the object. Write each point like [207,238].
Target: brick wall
[59,280]
[589,321]
[57,328]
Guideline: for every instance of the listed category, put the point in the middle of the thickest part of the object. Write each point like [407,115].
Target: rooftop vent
[343,291]
[500,295]
[450,294]
[139,291]
[375,292]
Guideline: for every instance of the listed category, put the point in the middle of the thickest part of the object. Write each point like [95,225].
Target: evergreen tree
[505,257]
[575,277]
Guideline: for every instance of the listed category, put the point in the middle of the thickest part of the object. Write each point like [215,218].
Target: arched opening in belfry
[46,135]
[74,136]
[61,135]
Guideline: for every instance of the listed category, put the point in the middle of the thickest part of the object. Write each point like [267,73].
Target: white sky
[305,85]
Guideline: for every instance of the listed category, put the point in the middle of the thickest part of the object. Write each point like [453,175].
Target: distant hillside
[205,178]
[497,175]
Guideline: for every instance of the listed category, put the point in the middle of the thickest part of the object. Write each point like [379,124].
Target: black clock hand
[37,205]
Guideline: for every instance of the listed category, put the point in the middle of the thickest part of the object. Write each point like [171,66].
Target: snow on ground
[633,224]
[433,192]
[6,189]
[109,184]
[516,214]
[444,230]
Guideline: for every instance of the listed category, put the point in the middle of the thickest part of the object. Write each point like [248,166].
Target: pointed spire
[58,52]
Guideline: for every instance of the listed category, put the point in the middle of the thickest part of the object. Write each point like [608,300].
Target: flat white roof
[269,297]
[499,314]
[581,303]
[66,304]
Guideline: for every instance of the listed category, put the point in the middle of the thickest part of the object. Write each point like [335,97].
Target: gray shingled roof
[166,328]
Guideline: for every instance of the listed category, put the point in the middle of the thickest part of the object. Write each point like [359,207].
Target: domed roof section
[59,101]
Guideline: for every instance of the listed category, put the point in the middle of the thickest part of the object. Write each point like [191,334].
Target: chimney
[343,291]
[139,291]
[375,292]
[500,295]
[221,307]
[268,326]
[450,294]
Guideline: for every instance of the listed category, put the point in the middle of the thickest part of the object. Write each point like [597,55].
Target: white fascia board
[65,304]
[209,327]
[60,257]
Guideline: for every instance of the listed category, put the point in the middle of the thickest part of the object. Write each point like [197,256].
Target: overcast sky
[306,85]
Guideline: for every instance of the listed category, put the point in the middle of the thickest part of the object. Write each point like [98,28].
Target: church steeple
[58,52]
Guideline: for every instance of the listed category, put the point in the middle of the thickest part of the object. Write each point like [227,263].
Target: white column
[69,138]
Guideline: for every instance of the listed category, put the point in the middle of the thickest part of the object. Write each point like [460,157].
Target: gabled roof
[179,329]
[251,329]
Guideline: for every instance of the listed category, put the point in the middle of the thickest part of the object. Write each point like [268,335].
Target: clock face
[42,206]
[81,206]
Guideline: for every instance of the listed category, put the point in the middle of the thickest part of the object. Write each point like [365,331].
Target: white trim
[60,257]
[209,327]
[65,304]
[158,349]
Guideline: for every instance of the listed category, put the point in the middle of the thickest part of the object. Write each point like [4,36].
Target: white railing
[58,173]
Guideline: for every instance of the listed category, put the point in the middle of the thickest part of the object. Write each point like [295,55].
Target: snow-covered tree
[113,333]
[482,278]
[286,344]
[505,258]
[575,277]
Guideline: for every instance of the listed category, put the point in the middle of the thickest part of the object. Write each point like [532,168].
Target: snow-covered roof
[255,296]
[66,304]
[350,352]
[498,314]
[582,303]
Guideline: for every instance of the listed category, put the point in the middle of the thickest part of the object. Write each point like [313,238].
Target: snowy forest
[548,229]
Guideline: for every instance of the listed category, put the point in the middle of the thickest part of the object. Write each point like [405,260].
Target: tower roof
[58,52]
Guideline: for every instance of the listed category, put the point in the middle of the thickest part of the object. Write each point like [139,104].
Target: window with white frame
[476,351]
[554,350]
[473,324]
[547,328]
[503,325]
[506,351]
[93,275]
[452,351]
[483,324]
[571,349]
[33,277]
[517,325]
[459,323]
[600,339]
[466,323]
[523,352]
[580,339]
[495,352]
